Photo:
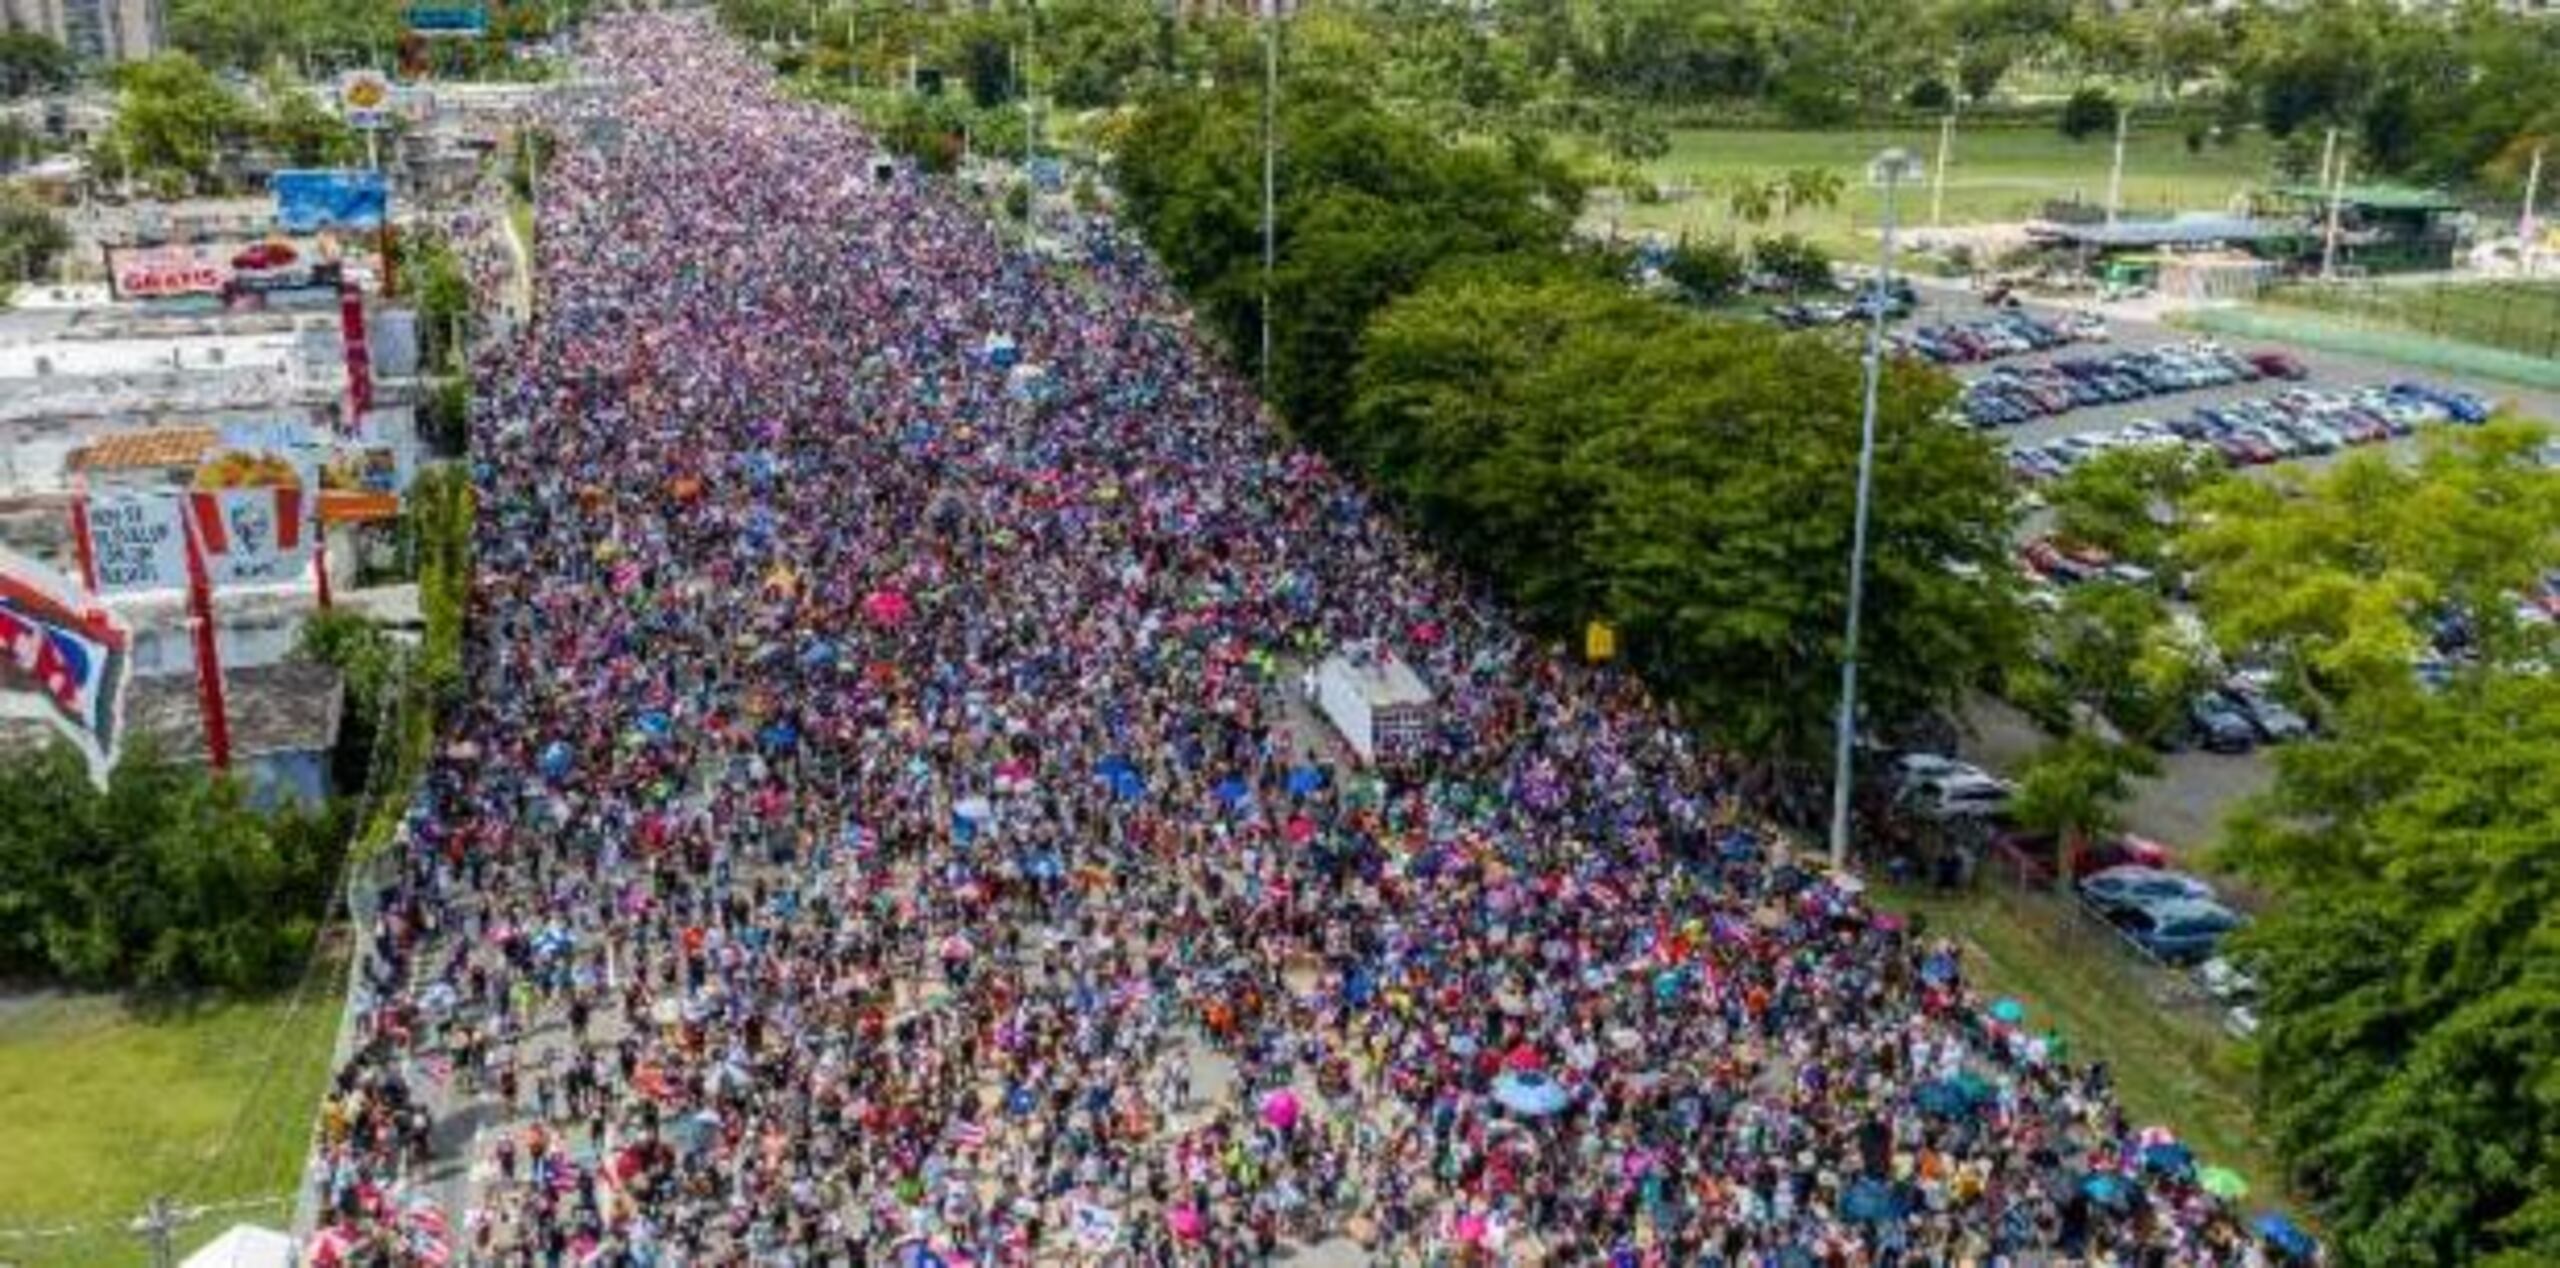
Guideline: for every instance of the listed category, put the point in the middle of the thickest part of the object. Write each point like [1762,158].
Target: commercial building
[94,30]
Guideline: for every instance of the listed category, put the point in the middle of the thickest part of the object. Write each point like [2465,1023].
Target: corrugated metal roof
[2198,230]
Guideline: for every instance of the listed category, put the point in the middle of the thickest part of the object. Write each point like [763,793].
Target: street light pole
[1270,181]
[2115,172]
[1890,169]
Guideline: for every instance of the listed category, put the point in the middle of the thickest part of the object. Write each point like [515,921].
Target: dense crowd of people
[885,827]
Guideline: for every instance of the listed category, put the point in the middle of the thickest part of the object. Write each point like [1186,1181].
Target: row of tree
[1594,454]
[179,128]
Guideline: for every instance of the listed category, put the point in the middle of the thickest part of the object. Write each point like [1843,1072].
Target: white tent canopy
[244,1246]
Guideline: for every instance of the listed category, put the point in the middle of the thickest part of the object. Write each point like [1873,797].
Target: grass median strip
[2170,1064]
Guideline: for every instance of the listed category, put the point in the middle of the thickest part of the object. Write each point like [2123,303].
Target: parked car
[2277,365]
[2273,722]
[2176,930]
[2218,725]
[1958,796]
[2226,981]
[2133,885]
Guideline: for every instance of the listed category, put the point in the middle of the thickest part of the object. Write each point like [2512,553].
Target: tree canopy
[1689,480]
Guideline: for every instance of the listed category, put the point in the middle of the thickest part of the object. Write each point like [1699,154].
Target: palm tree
[1751,199]
[1809,187]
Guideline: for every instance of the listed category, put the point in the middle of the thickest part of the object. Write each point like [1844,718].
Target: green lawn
[2171,1064]
[105,1105]
[2514,316]
[1997,174]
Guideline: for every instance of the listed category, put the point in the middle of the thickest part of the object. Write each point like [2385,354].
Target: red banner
[359,358]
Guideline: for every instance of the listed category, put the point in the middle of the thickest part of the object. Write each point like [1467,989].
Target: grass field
[105,1106]
[1997,174]
[2170,1064]
[2514,316]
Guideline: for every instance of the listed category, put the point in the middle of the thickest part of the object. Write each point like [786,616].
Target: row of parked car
[2294,423]
[2010,395]
[2131,883]
[1898,299]
[1991,338]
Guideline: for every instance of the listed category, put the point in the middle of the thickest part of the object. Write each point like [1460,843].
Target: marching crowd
[883,827]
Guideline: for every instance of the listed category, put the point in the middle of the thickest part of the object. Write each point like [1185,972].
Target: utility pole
[1890,169]
[1938,175]
[2328,157]
[158,1226]
[2329,239]
[1270,169]
[2527,229]
[2115,173]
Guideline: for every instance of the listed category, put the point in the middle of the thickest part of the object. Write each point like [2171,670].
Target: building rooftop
[2190,230]
[293,707]
[144,450]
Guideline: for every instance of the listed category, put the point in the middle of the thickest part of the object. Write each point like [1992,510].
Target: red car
[2277,365]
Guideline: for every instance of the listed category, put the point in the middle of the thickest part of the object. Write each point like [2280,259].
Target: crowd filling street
[883,826]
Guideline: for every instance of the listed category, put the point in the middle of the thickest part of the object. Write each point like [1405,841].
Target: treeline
[2457,94]
[168,879]
[1592,454]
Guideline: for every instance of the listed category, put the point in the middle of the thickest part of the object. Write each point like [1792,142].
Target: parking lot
[2134,328]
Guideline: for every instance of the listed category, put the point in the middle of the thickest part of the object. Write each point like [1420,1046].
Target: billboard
[309,200]
[167,272]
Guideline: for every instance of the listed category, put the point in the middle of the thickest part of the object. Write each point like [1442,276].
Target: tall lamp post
[1270,181]
[1888,169]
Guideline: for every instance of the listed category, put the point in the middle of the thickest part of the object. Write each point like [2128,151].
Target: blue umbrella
[1233,791]
[2171,1159]
[818,654]
[2284,1235]
[656,725]
[556,759]
[1530,1094]
[1869,1201]
[2107,1189]
[1304,780]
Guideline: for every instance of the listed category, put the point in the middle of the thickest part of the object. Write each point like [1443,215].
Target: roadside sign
[467,20]
[364,99]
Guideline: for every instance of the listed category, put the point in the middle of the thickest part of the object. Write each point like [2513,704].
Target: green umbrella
[2222,1182]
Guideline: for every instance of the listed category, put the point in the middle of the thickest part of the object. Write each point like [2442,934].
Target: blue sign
[449,19]
[311,201]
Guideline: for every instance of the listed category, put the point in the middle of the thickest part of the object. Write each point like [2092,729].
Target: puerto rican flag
[65,656]
[968,1135]
[423,1227]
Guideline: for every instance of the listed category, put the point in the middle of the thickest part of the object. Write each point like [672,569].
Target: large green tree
[174,121]
[2410,1060]
[1690,480]
[2342,576]
[1370,203]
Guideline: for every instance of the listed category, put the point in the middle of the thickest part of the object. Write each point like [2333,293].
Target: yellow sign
[1600,641]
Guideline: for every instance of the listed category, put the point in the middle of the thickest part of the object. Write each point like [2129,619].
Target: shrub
[2089,112]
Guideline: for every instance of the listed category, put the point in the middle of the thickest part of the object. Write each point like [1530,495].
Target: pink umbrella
[1280,1109]
[1185,1222]
[1470,1228]
[888,607]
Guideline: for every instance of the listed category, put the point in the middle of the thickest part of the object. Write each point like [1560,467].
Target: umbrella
[1233,791]
[555,759]
[1304,780]
[2107,1189]
[1869,1201]
[2223,1182]
[2009,1011]
[1530,1094]
[888,607]
[1185,1222]
[1280,1109]
[2170,1159]
[1470,1228]
[2284,1235]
